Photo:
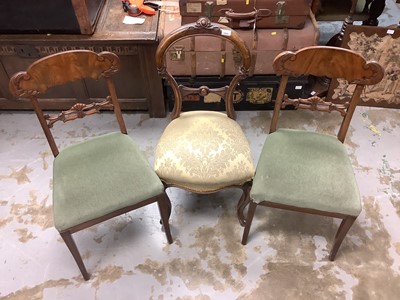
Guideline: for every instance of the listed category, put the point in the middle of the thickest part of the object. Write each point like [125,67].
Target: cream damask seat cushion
[203,151]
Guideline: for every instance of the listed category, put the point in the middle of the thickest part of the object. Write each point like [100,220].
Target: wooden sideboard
[138,85]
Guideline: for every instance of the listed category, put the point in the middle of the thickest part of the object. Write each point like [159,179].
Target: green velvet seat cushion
[204,151]
[99,176]
[306,170]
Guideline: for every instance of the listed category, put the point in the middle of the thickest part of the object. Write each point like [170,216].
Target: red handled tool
[137,7]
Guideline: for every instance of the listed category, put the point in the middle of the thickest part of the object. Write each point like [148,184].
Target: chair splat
[79,111]
[315,103]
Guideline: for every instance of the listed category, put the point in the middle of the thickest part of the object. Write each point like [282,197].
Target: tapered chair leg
[244,200]
[167,199]
[344,227]
[249,220]
[164,205]
[69,241]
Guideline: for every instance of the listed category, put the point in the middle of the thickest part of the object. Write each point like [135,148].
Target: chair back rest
[331,62]
[62,68]
[204,28]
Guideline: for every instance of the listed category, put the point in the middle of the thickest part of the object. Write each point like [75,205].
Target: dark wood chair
[204,151]
[98,178]
[306,171]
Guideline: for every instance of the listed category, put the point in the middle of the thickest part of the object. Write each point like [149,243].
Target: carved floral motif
[315,103]
[79,110]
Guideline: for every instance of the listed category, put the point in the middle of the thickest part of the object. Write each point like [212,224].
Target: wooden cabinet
[333,10]
[49,16]
[138,85]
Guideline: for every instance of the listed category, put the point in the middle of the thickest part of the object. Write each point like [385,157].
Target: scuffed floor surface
[129,258]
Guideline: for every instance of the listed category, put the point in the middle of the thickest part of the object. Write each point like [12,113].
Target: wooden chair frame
[204,27]
[59,69]
[319,61]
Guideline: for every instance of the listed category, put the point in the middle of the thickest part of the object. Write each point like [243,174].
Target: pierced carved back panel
[330,62]
[62,68]
[204,28]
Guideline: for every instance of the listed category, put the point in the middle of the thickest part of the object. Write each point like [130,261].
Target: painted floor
[129,258]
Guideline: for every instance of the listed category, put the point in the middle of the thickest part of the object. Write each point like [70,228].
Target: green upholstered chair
[203,151]
[309,171]
[98,178]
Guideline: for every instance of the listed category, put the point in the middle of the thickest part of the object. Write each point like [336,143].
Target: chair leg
[244,200]
[249,220]
[167,201]
[169,206]
[344,227]
[69,241]
[164,205]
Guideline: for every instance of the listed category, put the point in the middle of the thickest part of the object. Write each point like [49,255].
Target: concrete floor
[129,258]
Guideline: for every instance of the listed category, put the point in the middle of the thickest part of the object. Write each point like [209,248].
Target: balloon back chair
[306,171]
[204,151]
[98,178]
